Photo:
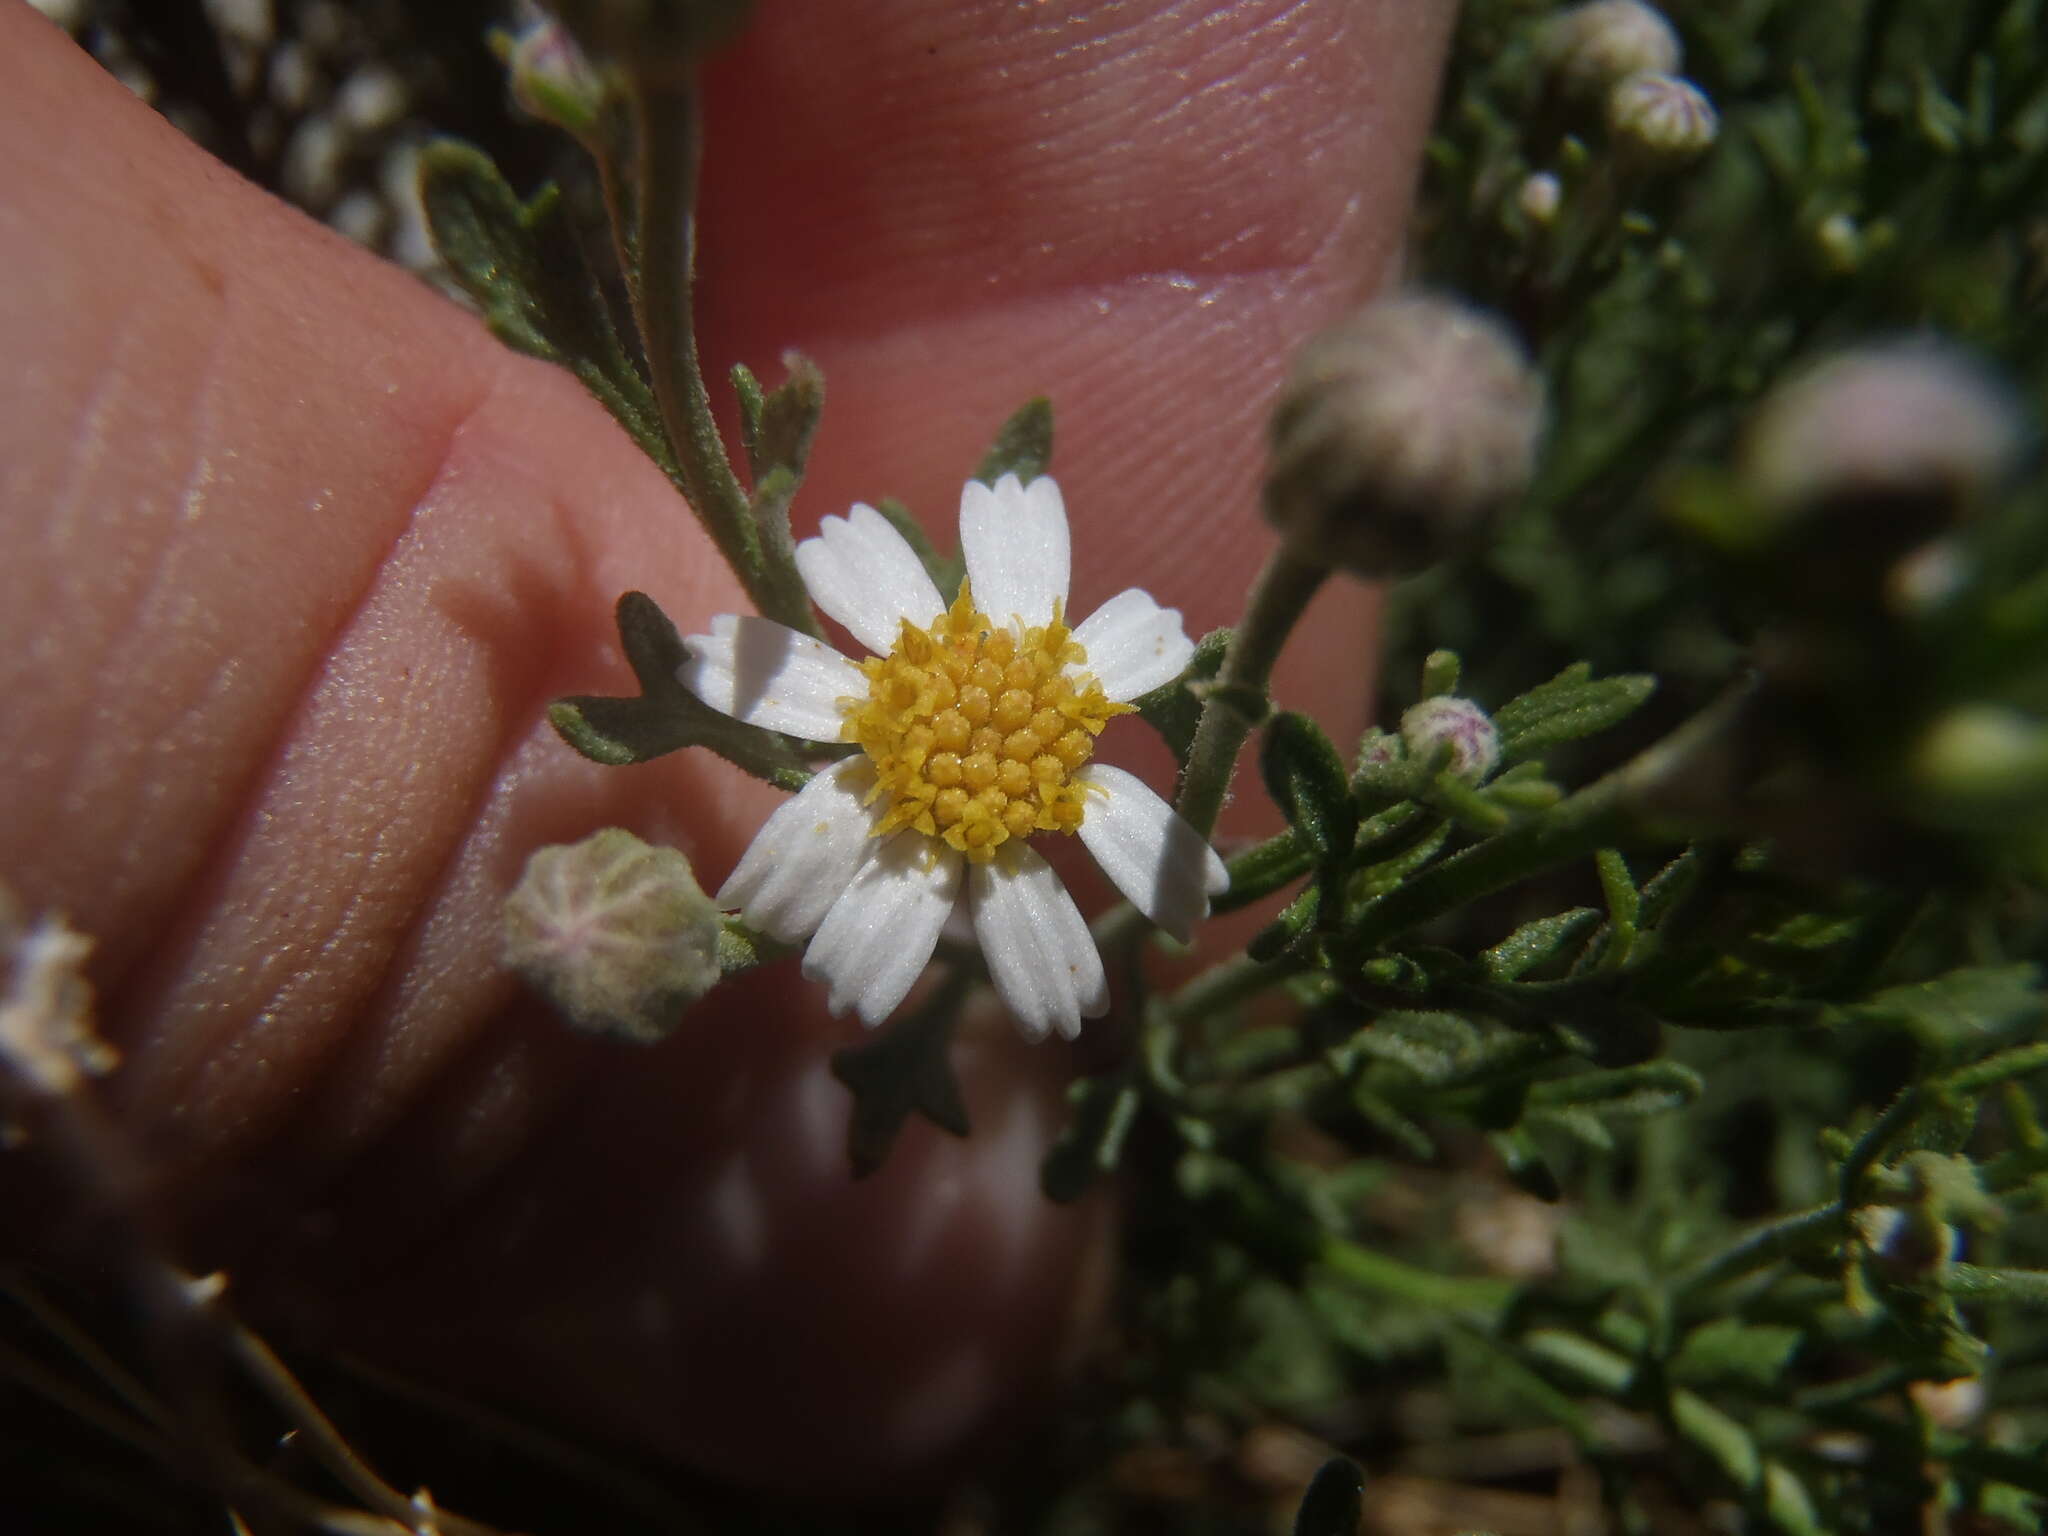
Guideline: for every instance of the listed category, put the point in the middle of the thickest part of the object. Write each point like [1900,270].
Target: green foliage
[521,263]
[665,716]
[1023,447]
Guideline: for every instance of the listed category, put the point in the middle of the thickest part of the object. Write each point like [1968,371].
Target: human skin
[296,555]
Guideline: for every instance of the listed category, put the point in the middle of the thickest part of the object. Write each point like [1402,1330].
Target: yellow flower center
[975,731]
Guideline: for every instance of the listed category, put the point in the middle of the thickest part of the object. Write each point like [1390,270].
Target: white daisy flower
[976,724]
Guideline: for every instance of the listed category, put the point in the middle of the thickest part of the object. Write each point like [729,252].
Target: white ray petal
[1134,645]
[768,675]
[880,932]
[805,855]
[863,573]
[1161,864]
[1014,538]
[1039,951]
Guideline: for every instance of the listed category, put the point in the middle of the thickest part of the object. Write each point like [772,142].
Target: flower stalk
[1239,699]
[657,240]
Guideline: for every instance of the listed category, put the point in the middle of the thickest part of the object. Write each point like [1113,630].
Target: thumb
[298,556]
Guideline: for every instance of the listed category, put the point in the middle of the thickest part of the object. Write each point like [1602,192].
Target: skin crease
[296,556]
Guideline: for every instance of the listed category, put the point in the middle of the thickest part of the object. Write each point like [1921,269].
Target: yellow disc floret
[975,730]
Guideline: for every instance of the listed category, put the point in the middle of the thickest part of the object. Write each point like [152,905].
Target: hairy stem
[660,251]
[1237,700]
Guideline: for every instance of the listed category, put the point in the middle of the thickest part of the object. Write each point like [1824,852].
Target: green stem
[1237,699]
[1765,1245]
[1375,1272]
[661,259]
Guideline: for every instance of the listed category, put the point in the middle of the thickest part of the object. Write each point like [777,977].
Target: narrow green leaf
[785,420]
[521,263]
[1537,943]
[1023,445]
[1975,1282]
[1966,1007]
[1103,1110]
[1727,1351]
[1440,671]
[1262,870]
[1172,709]
[1648,1088]
[1571,705]
[666,716]
[1297,918]
[1306,779]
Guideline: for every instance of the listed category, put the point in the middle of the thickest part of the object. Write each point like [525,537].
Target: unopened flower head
[1399,431]
[615,932]
[553,80]
[1539,197]
[1902,421]
[1661,117]
[976,722]
[1458,724]
[1587,48]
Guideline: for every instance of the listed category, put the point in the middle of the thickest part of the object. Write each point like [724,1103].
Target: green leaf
[1103,1110]
[946,571]
[522,265]
[906,1069]
[1432,1046]
[777,428]
[1537,943]
[1335,1501]
[1648,1088]
[1172,709]
[1440,671]
[1272,941]
[1306,779]
[1526,1165]
[1023,446]
[1570,706]
[2021,1287]
[1966,1007]
[1729,1352]
[1262,870]
[666,716]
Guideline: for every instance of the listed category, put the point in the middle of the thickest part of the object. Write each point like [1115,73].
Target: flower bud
[1587,48]
[1463,726]
[1398,432]
[1897,422]
[1985,755]
[553,81]
[1661,118]
[1539,197]
[616,933]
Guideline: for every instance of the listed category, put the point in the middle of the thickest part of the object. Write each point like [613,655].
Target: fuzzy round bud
[1459,724]
[1840,243]
[1587,48]
[1662,117]
[1539,197]
[1897,422]
[616,933]
[1398,432]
